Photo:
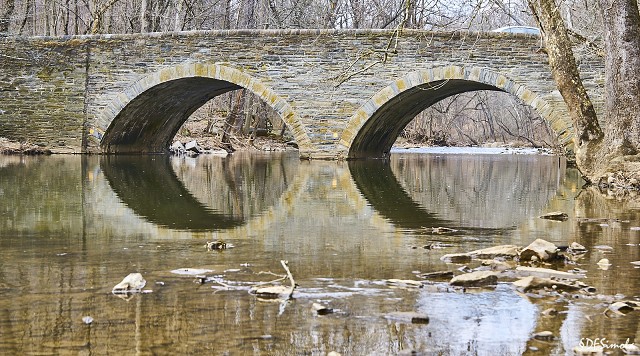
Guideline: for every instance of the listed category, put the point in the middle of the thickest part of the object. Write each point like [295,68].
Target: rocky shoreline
[9,147]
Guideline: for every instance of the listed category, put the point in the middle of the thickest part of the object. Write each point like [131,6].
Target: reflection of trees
[483,191]
[621,277]
[40,193]
[416,191]
[242,185]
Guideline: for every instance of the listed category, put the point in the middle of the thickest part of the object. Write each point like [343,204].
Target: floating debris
[87,320]
[278,291]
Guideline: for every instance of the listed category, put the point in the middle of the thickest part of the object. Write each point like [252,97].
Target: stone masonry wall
[46,83]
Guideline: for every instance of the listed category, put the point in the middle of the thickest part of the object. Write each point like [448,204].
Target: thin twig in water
[293,283]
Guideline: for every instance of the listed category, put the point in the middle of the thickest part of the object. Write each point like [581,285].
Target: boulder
[192,146]
[475,279]
[177,147]
[540,250]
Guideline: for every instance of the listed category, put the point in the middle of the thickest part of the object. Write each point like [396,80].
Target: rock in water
[533,282]
[321,309]
[176,147]
[541,249]
[475,279]
[502,251]
[556,215]
[193,147]
[133,283]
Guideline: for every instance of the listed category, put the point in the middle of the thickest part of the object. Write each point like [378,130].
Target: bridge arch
[374,127]
[145,117]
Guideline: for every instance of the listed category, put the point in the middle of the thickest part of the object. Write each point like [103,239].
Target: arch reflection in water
[378,184]
[484,194]
[203,194]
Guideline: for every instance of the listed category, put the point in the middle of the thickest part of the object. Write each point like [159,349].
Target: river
[72,227]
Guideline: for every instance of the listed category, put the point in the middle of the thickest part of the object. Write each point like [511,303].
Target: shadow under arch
[148,114]
[150,188]
[375,126]
[378,184]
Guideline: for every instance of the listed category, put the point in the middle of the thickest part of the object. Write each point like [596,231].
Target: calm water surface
[72,227]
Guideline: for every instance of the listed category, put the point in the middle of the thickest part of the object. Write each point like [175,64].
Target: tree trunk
[5,18]
[231,120]
[588,133]
[622,75]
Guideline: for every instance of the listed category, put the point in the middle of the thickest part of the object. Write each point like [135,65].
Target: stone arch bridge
[342,93]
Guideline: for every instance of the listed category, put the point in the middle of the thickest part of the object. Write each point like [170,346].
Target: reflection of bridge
[131,93]
[151,189]
[246,193]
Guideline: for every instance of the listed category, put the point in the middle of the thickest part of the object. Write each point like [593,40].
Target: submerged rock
[133,283]
[442,230]
[546,273]
[406,283]
[272,292]
[436,275]
[408,317]
[544,335]
[475,279]
[581,350]
[532,282]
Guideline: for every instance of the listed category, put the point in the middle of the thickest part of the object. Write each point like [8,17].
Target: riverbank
[9,147]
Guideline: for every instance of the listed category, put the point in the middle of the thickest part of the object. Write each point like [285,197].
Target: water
[71,227]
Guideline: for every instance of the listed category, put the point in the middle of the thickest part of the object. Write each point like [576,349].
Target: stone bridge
[342,93]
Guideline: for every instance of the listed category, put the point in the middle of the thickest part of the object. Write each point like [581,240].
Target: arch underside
[149,122]
[377,135]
